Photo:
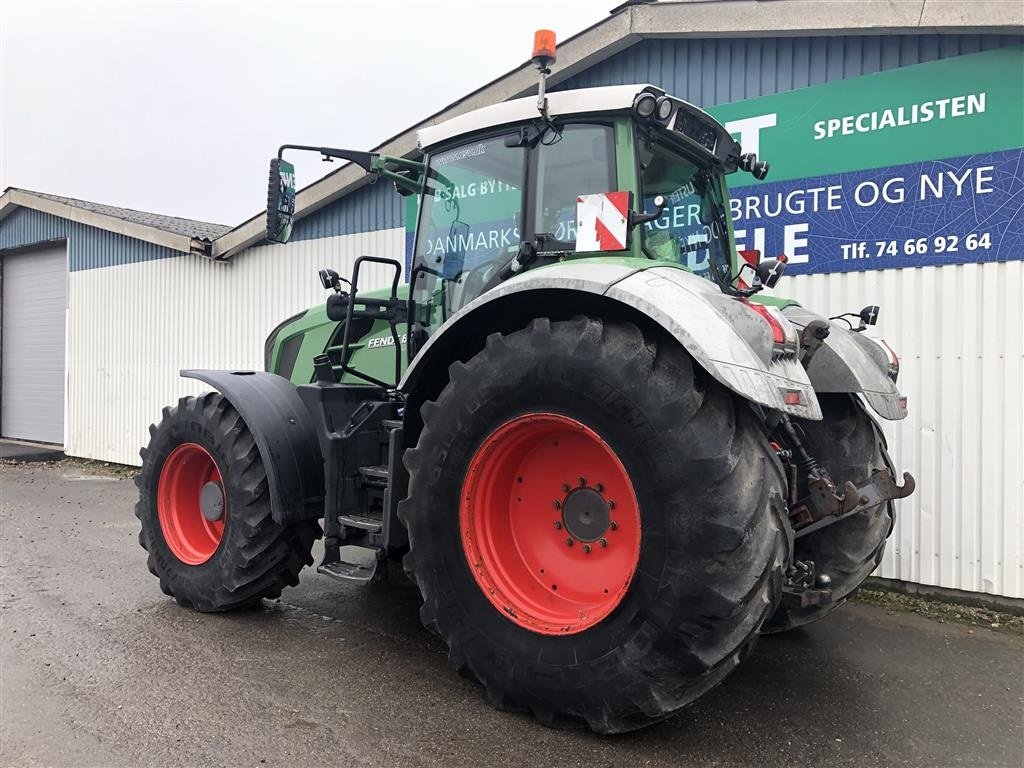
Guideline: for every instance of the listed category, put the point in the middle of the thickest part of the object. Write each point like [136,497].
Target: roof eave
[17,197]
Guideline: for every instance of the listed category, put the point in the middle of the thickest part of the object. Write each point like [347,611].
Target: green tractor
[607,463]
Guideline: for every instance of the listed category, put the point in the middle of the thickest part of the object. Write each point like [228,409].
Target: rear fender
[285,435]
[851,362]
[725,338]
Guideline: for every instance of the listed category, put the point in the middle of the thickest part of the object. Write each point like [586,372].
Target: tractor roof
[612,98]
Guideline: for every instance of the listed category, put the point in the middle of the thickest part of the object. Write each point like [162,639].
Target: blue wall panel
[714,71]
[375,206]
[88,247]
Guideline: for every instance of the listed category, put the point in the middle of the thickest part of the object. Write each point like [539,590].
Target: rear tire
[244,556]
[710,499]
[849,444]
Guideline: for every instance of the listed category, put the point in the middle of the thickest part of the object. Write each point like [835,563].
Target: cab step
[390,424]
[363,522]
[374,475]
[368,568]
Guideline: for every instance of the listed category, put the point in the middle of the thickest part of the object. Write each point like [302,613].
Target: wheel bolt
[565,487]
[558,525]
[612,525]
[583,482]
[611,504]
[599,487]
[558,504]
[603,542]
[569,542]
[586,549]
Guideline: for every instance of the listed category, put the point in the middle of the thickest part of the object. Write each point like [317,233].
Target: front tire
[205,511]
[662,612]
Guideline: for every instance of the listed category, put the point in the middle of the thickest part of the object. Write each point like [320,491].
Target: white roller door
[35,300]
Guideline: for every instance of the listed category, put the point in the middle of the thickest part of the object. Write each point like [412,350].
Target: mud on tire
[848,443]
[256,557]
[710,494]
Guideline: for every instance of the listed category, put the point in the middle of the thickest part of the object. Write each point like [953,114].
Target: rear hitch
[806,587]
[824,504]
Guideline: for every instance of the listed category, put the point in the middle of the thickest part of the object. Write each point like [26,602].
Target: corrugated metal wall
[714,71]
[132,327]
[959,331]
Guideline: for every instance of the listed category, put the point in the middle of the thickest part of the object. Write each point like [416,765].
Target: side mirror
[869,315]
[280,200]
[770,271]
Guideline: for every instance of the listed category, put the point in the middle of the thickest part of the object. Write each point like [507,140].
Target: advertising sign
[912,167]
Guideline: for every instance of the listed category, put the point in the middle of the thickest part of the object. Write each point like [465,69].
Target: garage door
[35,299]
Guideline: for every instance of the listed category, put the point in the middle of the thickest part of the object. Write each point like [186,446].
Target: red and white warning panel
[602,221]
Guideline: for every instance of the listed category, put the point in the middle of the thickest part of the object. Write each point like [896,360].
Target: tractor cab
[627,173]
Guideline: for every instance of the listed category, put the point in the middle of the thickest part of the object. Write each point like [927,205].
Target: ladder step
[372,524]
[391,423]
[359,573]
[377,474]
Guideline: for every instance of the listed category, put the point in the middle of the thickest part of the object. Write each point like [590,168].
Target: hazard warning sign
[602,221]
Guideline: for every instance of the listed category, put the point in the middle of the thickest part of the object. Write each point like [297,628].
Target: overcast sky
[177,107]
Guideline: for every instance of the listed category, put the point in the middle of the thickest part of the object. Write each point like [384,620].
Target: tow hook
[803,585]
[824,505]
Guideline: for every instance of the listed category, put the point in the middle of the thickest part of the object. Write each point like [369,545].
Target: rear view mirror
[280,200]
[869,315]
[769,271]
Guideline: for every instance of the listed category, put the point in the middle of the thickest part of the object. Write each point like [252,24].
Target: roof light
[664,108]
[544,48]
[644,105]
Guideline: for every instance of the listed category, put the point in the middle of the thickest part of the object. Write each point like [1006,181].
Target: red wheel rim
[190,536]
[550,524]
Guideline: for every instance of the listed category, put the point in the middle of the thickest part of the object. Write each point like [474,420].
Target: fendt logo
[383,341]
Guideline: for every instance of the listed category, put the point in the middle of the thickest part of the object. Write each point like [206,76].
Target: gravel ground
[98,668]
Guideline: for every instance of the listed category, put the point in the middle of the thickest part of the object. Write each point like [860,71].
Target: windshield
[693,230]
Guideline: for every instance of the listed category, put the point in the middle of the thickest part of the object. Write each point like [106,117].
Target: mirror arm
[363,159]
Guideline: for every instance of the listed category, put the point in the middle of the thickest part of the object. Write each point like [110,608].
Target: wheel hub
[585,514]
[211,501]
[191,504]
[551,552]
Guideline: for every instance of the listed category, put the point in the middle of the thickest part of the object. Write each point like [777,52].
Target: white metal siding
[133,327]
[34,307]
[959,332]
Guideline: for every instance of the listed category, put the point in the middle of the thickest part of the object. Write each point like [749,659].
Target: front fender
[851,362]
[725,338]
[285,435]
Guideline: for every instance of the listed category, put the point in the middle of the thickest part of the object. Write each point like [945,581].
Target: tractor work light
[644,105]
[663,108]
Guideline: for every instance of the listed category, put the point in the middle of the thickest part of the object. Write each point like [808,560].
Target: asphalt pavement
[98,668]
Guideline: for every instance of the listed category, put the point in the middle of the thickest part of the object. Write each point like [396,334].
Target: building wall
[959,331]
[714,71]
[187,312]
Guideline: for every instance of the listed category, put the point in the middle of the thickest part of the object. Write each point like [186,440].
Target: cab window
[578,161]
